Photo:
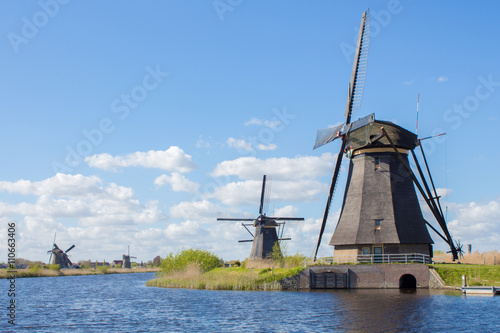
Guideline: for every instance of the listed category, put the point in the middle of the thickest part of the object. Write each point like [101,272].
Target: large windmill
[265,229]
[380,212]
[60,257]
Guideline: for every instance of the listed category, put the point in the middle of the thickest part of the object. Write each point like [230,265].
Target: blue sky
[139,123]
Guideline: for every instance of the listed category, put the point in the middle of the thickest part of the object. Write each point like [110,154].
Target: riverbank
[234,278]
[477,275]
[27,273]
[282,278]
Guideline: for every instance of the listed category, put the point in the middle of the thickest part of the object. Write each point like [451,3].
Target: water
[122,303]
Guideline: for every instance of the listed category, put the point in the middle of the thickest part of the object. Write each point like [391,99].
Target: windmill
[60,257]
[380,213]
[126,259]
[266,235]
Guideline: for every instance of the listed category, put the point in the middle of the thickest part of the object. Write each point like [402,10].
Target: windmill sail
[354,98]
[265,236]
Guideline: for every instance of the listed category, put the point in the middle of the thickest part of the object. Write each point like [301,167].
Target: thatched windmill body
[265,234]
[380,211]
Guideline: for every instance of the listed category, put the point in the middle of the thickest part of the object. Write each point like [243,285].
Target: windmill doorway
[407,281]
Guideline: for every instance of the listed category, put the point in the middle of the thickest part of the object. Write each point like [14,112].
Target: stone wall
[379,276]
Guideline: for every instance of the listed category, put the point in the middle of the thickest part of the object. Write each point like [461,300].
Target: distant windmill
[60,257]
[265,229]
[126,259]
[380,212]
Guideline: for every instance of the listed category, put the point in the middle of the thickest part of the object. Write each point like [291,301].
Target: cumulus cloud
[172,159]
[194,210]
[284,168]
[178,182]
[81,197]
[248,192]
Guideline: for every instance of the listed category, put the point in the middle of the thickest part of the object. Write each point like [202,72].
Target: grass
[477,275]
[40,272]
[235,278]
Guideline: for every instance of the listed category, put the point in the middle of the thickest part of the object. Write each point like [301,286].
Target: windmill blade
[258,240]
[358,74]
[285,218]
[233,219]
[245,241]
[70,248]
[53,244]
[327,135]
[262,194]
[330,196]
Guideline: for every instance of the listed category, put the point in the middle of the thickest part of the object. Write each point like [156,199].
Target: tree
[157,261]
[277,256]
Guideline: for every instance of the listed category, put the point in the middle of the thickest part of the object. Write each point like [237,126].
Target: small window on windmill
[377,224]
[377,163]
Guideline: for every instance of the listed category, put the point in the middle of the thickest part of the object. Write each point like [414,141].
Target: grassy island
[230,278]
[200,269]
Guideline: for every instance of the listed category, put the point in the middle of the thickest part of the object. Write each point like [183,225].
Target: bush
[237,263]
[55,267]
[103,269]
[180,261]
[34,268]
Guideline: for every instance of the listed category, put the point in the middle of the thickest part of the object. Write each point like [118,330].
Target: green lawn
[477,275]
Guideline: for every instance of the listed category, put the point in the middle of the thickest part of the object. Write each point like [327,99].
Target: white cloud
[248,192]
[299,167]
[239,144]
[287,211]
[178,182]
[266,123]
[407,83]
[442,79]
[80,197]
[270,146]
[172,159]
[202,144]
[194,210]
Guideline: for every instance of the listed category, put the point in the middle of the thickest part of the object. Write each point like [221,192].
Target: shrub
[180,261]
[55,267]
[103,269]
[237,263]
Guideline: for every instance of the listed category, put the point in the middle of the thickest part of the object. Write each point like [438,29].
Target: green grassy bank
[235,278]
[477,275]
[40,272]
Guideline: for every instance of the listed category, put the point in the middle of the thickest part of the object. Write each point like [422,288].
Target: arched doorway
[407,281]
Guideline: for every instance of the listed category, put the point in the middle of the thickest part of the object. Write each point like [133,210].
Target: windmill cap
[362,136]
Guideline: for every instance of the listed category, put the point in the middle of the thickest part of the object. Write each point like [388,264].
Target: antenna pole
[418,103]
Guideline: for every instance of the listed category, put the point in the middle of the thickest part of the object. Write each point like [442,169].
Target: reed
[235,278]
[41,272]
